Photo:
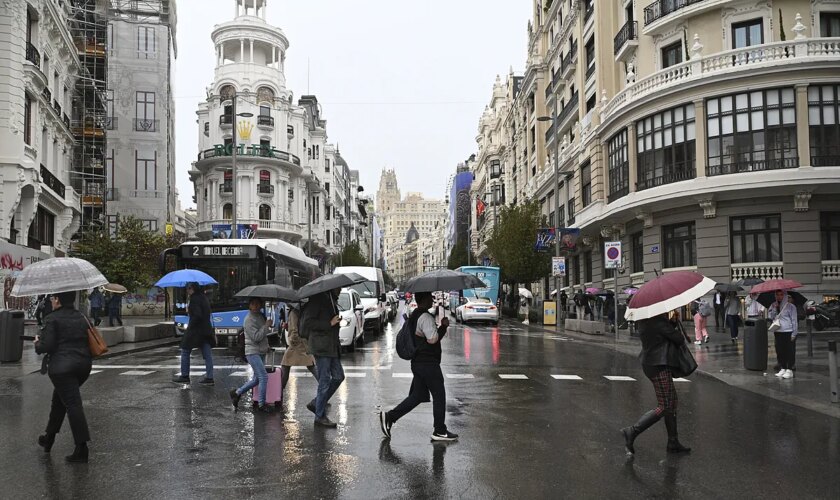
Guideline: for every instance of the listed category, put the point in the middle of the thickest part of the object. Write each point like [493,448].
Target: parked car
[372,293]
[477,309]
[351,331]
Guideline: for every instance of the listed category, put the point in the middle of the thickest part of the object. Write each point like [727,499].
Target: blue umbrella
[181,277]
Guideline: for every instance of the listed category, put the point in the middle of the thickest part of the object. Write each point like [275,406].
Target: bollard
[832,371]
[810,338]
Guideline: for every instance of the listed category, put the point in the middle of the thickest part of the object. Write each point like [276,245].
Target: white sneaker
[706,339]
[788,374]
[698,342]
[781,373]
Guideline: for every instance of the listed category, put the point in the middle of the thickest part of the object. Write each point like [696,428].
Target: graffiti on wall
[144,302]
[13,258]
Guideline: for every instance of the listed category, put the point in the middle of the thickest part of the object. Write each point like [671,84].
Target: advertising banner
[545,239]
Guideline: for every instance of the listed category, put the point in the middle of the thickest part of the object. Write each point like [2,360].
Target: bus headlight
[344,323]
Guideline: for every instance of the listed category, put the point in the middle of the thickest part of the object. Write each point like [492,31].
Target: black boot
[632,432]
[80,454]
[674,445]
[46,441]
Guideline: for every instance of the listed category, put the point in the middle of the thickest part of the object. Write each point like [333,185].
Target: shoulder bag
[777,323]
[97,344]
[685,360]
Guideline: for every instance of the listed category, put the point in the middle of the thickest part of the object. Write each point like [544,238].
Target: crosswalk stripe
[681,380]
[402,375]
[137,373]
[619,378]
[566,377]
[94,372]
[459,375]
[355,374]
[513,376]
[239,374]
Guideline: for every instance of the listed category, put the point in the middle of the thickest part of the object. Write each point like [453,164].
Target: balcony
[549,134]
[255,150]
[682,173]
[144,125]
[752,166]
[57,107]
[661,8]
[626,40]
[47,94]
[66,120]
[146,194]
[570,108]
[226,121]
[763,270]
[265,190]
[32,55]
[265,121]
[111,123]
[831,270]
[52,182]
[266,228]
[567,67]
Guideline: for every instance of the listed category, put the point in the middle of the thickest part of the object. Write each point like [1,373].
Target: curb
[144,348]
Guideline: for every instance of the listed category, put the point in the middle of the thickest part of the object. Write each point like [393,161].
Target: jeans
[427,379]
[206,351]
[67,400]
[732,322]
[330,377]
[260,377]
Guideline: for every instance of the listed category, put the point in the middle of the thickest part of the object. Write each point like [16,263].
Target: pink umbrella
[666,293]
[631,290]
[773,285]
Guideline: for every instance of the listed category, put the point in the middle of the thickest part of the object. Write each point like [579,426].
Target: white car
[351,329]
[477,309]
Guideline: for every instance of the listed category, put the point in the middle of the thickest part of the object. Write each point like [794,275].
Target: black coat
[660,340]
[323,337]
[64,337]
[199,329]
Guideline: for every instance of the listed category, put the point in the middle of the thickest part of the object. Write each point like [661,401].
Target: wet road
[537,417]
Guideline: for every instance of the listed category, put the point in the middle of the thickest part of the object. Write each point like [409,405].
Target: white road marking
[681,380]
[355,375]
[94,372]
[459,375]
[513,376]
[566,377]
[240,374]
[619,378]
[300,374]
[402,375]
[137,373]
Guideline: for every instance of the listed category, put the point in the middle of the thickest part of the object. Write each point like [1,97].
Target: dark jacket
[323,337]
[660,340]
[115,302]
[199,329]
[64,337]
[96,299]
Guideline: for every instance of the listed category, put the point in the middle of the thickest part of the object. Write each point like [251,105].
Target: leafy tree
[512,244]
[461,255]
[351,255]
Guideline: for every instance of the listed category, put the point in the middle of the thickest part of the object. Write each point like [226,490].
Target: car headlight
[344,323]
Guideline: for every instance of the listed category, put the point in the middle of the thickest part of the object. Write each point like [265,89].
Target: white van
[372,293]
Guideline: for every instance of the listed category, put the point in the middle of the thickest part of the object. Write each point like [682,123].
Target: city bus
[236,264]
[489,275]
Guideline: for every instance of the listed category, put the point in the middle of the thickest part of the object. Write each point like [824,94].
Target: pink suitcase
[274,393]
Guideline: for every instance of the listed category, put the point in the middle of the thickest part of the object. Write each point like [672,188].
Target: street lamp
[233,113]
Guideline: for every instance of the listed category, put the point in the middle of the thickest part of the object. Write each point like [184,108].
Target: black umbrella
[443,280]
[749,281]
[272,292]
[767,298]
[327,283]
[728,287]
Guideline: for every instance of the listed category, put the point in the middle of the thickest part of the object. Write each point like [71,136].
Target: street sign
[612,254]
[558,266]
[654,249]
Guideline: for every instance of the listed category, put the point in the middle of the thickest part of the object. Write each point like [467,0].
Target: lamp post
[233,116]
[553,120]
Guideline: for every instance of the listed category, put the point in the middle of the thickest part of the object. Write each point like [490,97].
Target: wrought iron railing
[52,182]
[680,173]
[571,106]
[255,150]
[627,32]
[618,193]
[226,120]
[661,8]
[47,94]
[32,55]
[739,167]
[570,58]
[265,189]
[144,125]
[265,120]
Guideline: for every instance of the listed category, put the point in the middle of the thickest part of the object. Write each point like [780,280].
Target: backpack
[406,348]
[705,309]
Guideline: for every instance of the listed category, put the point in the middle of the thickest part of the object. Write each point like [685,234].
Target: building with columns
[702,135]
[290,182]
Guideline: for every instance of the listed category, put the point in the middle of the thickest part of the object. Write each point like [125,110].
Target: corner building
[704,135]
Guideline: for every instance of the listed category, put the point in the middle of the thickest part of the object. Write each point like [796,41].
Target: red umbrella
[666,293]
[773,285]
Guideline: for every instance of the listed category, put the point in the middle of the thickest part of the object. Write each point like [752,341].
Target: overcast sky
[402,84]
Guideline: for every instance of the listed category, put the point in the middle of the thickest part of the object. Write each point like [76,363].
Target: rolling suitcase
[274,391]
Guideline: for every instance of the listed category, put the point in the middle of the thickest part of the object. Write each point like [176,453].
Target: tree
[461,255]
[351,255]
[131,258]
[512,244]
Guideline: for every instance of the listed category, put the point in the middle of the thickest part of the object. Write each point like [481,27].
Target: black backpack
[406,348]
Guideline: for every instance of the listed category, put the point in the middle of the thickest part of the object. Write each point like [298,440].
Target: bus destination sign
[218,251]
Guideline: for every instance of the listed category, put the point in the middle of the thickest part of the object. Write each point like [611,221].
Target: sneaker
[706,339]
[265,409]
[788,374]
[234,398]
[446,436]
[698,342]
[386,423]
[207,381]
[311,406]
[325,422]
[781,373]
[180,379]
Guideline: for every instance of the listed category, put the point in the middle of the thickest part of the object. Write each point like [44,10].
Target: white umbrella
[57,275]
[524,292]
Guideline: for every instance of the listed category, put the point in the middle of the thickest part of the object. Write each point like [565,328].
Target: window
[150,224]
[265,111]
[824,121]
[830,235]
[618,166]
[328,236]
[146,48]
[680,245]
[590,57]
[265,182]
[672,54]
[227,92]
[748,33]
[751,132]
[586,183]
[327,165]
[227,211]
[265,147]
[145,170]
[227,181]
[27,119]
[42,229]
[756,239]
[144,112]
[587,267]
[829,24]
[666,149]
[576,265]
[571,211]
[637,252]
[265,212]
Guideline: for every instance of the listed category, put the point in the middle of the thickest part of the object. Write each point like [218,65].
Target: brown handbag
[97,344]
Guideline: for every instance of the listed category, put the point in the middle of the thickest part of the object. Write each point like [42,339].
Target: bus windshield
[232,274]
[366,289]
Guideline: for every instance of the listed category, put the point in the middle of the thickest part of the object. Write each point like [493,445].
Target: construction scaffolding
[89,28]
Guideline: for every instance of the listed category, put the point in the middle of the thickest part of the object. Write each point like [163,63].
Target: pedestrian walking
[599,307]
[256,330]
[732,306]
[701,332]
[524,310]
[297,354]
[321,326]
[661,338]
[784,310]
[720,314]
[199,335]
[64,340]
[428,378]
[580,304]
[115,309]
[96,303]
[564,299]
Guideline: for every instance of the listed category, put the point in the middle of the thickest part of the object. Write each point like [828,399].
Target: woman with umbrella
[297,354]
[784,310]
[662,341]
[256,347]
[199,335]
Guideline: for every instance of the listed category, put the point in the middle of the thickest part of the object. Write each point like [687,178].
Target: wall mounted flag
[480,207]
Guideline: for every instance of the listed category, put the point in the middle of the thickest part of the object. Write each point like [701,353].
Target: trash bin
[11,329]
[755,345]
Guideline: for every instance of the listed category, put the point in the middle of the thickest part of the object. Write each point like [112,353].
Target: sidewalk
[722,360]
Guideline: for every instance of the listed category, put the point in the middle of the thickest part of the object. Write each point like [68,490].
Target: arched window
[265,94]
[227,92]
[265,212]
[227,211]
